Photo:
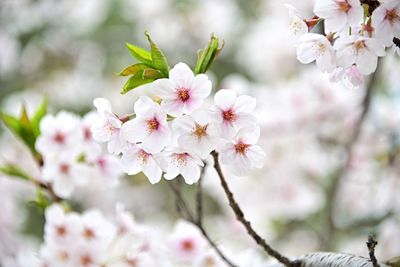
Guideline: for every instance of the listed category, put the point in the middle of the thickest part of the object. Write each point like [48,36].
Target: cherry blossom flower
[339,14]
[182,92]
[359,50]
[233,112]
[95,228]
[150,126]
[297,25]
[182,162]
[135,159]
[386,21]
[90,147]
[108,127]
[197,133]
[64,173]
[242,154]
[316,47]
[351,76]
[107,168]
[186,242]
[59,134]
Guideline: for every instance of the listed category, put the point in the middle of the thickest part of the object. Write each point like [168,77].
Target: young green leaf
[135,81]
[157,56]
[132,69]
[140,54]
[14,171]
[38,116]
[206,56]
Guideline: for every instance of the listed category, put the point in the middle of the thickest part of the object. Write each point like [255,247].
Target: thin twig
[185,212]
[240,216]
[371,244]
[199,197]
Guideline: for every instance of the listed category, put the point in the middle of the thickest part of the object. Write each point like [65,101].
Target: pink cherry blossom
[359,50]
[233,112]
[316,47]
[59,134]
[90,147]
[135,159]
[150,126]
[386,21]
[339,15]
[197,133]
[182,162]
[108,127]
[242,154]
[182,92]
[351,77]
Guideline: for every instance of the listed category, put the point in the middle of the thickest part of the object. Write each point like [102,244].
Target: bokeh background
[70,52]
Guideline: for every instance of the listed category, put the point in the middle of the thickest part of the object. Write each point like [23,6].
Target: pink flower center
[183,94]
[391,16]
[87,135]
[229,115]
[89,234]
[61,230]
[344,6]
[142,156]
[64,168]
[241,148]
[200,130]
[86,260]
[180,159]
[359,46]
[187,244]
[133,262]
[152,124]
[59,138]
[102,163]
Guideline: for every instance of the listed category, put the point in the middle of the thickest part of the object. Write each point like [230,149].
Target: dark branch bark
[240,216]
[371,244]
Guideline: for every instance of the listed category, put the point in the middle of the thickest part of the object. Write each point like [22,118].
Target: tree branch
[371,244]
[185,212]
[240,216]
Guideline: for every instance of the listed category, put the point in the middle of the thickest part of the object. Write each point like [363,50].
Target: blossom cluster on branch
[355,35]
[175,132]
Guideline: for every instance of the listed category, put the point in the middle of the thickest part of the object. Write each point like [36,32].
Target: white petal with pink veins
[181,75]
[225,98]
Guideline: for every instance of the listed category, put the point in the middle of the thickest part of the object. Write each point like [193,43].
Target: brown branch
[199,197]
[185,212]
[240,216]
[371,244]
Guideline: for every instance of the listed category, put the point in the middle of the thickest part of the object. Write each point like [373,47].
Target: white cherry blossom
[108,127]
[197,133]
[338,15]
[108,168]
[182,92]
[233,112]
[359,50]
[184,163]
[89,146]
[135,159]
[150,126]
[386,21]
[351,76]
[297,25]
[316,47]
[64,173]
[59,134]
[242,154]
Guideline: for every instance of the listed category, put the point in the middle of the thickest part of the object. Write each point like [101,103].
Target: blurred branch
[348,150]
[199,197]
[371,244]
[240,216]
[185,212]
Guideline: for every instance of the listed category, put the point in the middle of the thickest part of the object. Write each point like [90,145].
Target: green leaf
[13,170]
[132,69]
[206,56]
[11,123]
[38,116]
[157,57]
[140,54]
[152,74]
[135,81]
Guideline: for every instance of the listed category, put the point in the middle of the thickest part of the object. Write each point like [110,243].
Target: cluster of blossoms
[92,240]
[177,131]
[70,154]
[356,34]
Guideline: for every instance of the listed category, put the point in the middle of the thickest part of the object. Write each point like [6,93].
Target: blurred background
[303,200]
